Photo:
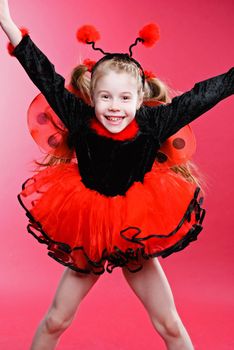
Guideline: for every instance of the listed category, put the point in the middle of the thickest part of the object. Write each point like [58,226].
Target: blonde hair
[80,81]
[117,65]
[154,89]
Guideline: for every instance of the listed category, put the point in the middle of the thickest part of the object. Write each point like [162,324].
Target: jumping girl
[115,205]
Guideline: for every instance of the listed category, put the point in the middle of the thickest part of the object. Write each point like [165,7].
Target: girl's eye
[104,96]
[125,98]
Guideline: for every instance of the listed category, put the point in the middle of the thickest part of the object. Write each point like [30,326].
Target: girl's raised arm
[41,71]
[8,26]
[166,120]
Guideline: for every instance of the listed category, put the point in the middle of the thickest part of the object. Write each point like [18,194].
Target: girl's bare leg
[152,288]
[71,290]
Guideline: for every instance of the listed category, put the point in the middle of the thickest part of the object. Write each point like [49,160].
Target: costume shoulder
[69,108]
[166,120]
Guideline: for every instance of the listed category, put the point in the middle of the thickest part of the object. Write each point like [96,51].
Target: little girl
[115,205]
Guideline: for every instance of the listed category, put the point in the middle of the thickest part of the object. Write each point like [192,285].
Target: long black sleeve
[41,71]
[166,120]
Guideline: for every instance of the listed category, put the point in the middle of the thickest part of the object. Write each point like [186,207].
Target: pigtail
[157,89]
[80,82]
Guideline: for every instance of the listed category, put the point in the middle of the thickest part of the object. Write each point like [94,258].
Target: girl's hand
[4,12]
[8,26]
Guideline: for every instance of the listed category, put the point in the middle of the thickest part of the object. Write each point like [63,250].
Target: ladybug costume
[116,202]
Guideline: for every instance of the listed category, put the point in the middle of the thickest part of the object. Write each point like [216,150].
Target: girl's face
[116,100]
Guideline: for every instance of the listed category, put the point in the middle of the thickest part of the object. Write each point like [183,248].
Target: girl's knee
[169,327]
[55,322]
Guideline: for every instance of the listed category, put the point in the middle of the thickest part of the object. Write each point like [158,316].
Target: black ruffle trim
[61,252]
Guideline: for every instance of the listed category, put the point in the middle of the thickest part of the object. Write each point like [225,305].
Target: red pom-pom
[10,47]
[89,64]
[149,34]
[149,74]
[87,33]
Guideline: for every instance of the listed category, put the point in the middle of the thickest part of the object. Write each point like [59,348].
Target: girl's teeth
[114,118]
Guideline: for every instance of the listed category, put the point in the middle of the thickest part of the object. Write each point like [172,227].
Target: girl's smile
[114,120]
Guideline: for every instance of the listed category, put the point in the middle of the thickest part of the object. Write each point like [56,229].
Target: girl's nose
[114,109]
[114,106]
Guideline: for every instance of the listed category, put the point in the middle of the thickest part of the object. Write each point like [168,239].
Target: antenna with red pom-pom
[88,34]
[148,36]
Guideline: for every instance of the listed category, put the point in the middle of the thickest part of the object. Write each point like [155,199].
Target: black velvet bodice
[110,166]
[107,165]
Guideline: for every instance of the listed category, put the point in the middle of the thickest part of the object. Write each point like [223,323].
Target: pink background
[196,43]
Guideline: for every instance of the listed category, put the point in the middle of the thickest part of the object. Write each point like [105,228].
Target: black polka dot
[178,143]
[161,157]
[53,141]
[201,200]
[42,118]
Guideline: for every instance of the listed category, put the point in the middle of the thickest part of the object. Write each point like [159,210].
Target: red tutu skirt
[84,229]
